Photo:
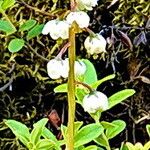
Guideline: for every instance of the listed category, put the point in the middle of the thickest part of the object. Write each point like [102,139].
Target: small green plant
[81,86]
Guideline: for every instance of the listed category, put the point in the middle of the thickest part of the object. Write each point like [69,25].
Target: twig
[38,10]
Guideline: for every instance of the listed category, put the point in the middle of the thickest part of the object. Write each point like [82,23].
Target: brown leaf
[125,39]
[112,3]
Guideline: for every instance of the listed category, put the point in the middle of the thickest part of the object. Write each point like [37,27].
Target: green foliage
[87,134]
[16,45]
[5,4]
[7,27]
[119,97]
[35,31]
[33,140]
[27,25]
[148,129]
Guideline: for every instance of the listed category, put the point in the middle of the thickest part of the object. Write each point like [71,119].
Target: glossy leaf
[97,83]
[45,144]
[87,134]
[35,31]
[107,124]
[16,45]
[119,97]
[102,140]
[7,3]
[80,93]
[91,147]
[27,25]
[20,130]
[61,88]
[148,129]
[38,130]
[90,75]
[77,126]
[114,131]
[47,134]
[7,27]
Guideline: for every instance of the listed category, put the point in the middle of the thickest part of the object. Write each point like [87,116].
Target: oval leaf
[35,31]
[20,130]
[119,97]
[61,88]
[91,147]
[87,134]
[37,131]
[27,25]
[7,3]
[90,75]
[7,27]
[113,131]
[16,45]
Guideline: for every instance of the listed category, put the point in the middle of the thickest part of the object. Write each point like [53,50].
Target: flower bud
[56,29]
[94,102]
[95,45]
[86,4]
[80,17]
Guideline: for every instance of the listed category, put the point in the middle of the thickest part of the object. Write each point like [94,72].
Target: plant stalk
[71,89]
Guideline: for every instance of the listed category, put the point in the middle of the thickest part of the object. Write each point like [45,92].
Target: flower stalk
[71,88]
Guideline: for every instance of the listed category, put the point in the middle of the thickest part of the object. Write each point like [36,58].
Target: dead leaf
[145,79]
[112,3]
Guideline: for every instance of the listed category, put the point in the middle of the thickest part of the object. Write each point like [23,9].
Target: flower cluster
[94,102]
[57,68]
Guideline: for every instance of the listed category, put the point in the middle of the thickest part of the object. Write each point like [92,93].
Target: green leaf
[147,146]
[38,130]
[80,93]
[16,45]
[119,97]
[107,124]
[20,130]
[27,25]
[148,129]
[91,147]
[7,3]
[114,131]
[87,134]
[7,27]
[77,126]
[61,88]
[90,75]
[45,144]
[102,140]
[64,131]
[35,31]
[97,83]
[47,134]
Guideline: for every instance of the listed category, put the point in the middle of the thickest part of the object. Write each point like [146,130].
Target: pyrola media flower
[86,4]
[94,102]
[80,17]
[56,29]
[95,44]
[57,68]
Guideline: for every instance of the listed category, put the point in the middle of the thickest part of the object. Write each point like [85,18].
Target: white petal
[80,68]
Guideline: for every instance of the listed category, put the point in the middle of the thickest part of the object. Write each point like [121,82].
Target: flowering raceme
[95,44]
[86,4]
[56,29]
[80,17]
[94,102]
[57,68]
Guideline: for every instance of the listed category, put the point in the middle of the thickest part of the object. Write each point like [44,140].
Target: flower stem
[71,89]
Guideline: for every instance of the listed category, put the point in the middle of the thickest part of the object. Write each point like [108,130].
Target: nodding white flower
[55,69]
[86,4]
[81,18]
[56,29]
[95,45]
[80,68]
[94,102]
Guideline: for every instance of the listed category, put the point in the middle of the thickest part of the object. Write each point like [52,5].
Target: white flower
[81,18]
[94,102]
[80,68]
[55,69]
[56,29]
[60,68]
[95,45]
[86,4]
